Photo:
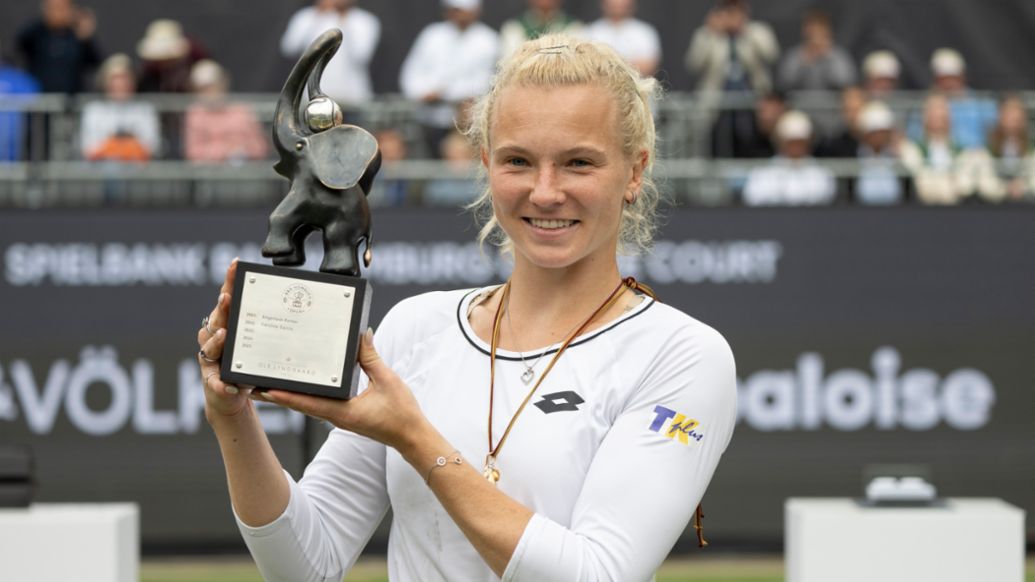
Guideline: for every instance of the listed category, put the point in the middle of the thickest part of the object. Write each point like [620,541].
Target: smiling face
[558,174]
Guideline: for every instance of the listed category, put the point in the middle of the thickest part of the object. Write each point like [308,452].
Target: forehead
[569,111]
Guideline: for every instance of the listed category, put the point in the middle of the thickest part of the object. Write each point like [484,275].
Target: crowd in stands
[958,147]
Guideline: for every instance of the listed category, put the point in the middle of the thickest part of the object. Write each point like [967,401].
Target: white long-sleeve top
[104,119]
[346,78]
[454,63]
[613,453]
[786,182]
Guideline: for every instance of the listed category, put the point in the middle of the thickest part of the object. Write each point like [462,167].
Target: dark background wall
[995,36]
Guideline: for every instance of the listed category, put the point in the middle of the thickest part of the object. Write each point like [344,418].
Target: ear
[485,159]
[639,166]
[343,155]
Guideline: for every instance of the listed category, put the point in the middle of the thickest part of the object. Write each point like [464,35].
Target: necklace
[491,472]
[529,372]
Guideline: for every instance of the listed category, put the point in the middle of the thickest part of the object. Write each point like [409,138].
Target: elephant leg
[287,231]
[339,248]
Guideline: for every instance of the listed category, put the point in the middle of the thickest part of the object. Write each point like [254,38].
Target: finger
[213,348]
[315,406]
[212,381]
[376,368]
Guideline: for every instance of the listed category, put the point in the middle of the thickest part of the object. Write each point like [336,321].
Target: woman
[1010,145]
[632,402]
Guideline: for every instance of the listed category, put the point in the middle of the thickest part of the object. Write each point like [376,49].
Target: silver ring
[203,356]
[209,375]
[204,324]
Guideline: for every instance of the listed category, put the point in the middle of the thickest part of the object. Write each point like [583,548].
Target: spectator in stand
[754,139]
[390,191]
[59,49]
[943,172]
[167,57]
[459,187]
[731,52]
[217,130]
[972,117]
[451,62]
[16,87]
[817,64]
[882,70]
[118,128]
[542,17]
[878,182]
[1010,145]
[844,142]
[792,178]
[346,78]
[633,39]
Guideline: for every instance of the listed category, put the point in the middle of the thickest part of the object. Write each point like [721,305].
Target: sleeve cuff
[533,530]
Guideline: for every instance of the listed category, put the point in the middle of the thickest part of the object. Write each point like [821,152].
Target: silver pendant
[527,376]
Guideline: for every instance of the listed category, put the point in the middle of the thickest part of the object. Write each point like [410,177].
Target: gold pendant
[491,473]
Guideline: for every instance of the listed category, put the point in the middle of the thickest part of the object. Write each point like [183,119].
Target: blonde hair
[557,61]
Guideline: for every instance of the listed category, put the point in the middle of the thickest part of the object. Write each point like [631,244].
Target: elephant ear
[342,156]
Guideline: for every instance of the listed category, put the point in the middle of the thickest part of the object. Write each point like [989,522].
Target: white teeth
[550,224]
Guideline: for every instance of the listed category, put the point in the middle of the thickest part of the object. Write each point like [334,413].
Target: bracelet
[453,457]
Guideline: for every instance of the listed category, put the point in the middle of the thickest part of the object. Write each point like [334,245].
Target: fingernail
[234,262]
[232,390]
[265,396]
[220,332]
[369,334]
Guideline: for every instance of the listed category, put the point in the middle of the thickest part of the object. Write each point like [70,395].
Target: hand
[386,411]
[433,97]
[221,399]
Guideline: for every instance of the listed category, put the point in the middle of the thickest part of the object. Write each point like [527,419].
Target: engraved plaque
[295,330]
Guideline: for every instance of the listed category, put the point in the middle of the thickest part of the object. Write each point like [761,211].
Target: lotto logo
[674,425]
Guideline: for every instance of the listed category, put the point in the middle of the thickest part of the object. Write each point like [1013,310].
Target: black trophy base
[295,330]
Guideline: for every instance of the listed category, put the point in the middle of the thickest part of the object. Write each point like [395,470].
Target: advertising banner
[862,336]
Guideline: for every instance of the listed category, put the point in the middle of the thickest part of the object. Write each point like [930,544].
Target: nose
[547,190]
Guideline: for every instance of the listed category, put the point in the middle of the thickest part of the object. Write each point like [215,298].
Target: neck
[546,304]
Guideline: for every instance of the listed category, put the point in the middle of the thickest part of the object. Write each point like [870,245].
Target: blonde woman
[561,426]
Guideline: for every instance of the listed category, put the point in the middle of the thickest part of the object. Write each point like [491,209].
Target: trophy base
[295,330]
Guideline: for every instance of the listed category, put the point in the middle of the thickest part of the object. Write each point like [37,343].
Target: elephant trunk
[287,128]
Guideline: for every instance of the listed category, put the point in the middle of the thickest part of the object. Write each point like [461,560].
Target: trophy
[292,329]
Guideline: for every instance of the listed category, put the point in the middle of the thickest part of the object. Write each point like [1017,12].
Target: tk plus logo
[680,428]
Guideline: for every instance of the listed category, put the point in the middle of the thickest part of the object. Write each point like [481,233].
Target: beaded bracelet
[453,457]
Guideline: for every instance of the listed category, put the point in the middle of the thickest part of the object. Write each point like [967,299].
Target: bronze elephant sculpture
[331,167]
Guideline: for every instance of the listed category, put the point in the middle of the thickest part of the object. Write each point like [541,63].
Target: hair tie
[552,50]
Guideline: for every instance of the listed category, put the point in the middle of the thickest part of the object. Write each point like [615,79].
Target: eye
[580,163]
[516,162]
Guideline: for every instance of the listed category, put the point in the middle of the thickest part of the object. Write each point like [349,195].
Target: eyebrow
[580,150]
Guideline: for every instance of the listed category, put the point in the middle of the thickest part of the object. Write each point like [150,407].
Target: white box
[57,542]
[838,540]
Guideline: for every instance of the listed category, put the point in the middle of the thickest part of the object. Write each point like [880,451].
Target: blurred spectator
[118,128]
[878,182]
[844,141]
[755,137]
[15,85]
[943,172]
[166,58]
[450,62]
[459,187]
[817,64]
[1009,143]
[972,117]
[731,52]
[881,70]
[218,130]
[59,48]
[346,78]
[633,39]
[394,191]
[792,178]
[542,17]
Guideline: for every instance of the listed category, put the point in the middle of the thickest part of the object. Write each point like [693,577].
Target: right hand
[221,399]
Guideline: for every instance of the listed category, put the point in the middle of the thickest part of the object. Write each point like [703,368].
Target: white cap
[462,4]
[876,116]
[881,64]
[946,62]
[793,125]
[163,40]
[206,72]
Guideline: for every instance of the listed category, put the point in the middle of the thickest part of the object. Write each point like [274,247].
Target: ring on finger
[204,324]
[209,375]
[204,356]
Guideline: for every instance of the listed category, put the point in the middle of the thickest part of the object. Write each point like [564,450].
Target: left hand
[386,411]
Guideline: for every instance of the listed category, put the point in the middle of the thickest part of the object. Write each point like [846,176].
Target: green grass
[706,569]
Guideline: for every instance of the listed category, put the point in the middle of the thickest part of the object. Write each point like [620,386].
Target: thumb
[371,361]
